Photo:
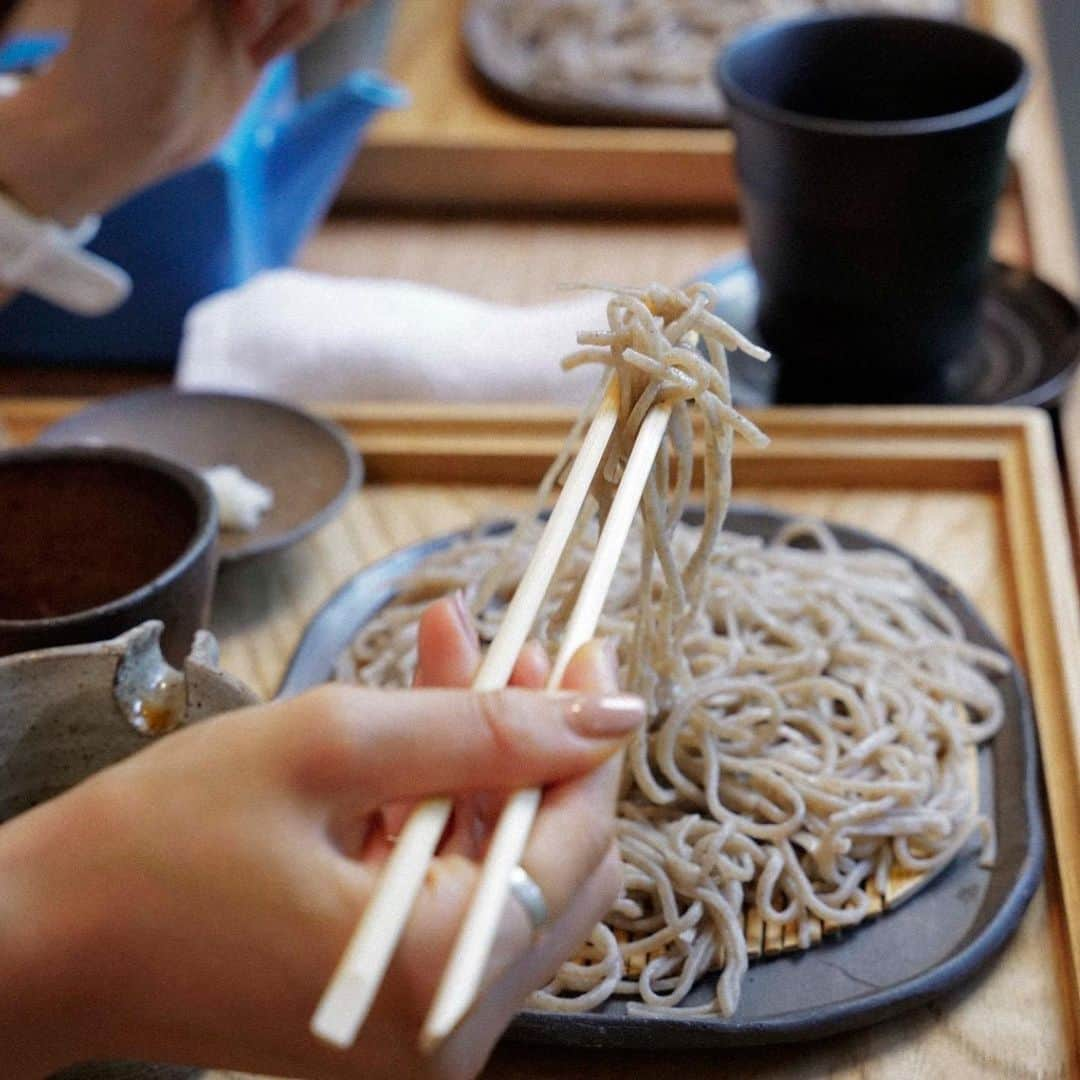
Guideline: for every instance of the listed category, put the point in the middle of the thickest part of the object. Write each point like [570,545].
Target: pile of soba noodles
[811,710]
[664,48]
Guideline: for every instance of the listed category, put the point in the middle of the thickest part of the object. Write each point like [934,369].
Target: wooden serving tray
[974,492]
[456,145]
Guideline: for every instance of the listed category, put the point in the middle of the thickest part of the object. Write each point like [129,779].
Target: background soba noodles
[661,50]
[811,712]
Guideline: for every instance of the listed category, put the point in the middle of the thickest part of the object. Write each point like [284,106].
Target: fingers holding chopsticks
[449,651]
[463,752]
[448,654]
[579,878]
[438,742]
[583,807]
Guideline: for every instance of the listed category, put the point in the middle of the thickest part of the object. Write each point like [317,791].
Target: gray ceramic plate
[935,941]
[307,462]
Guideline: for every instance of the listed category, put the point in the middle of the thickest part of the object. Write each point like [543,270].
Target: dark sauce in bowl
[78,534]
[97,539]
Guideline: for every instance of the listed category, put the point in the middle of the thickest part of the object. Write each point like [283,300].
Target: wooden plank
[1049,221]
[944,448]
[1037,150]
[1050,616]
[1070,438]
[430,420]
[519,259]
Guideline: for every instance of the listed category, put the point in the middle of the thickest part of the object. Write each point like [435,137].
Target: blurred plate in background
[307,462]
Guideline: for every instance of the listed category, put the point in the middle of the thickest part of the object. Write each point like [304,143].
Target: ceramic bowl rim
[957,120]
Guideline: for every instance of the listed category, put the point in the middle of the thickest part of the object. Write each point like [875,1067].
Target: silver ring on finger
[531,897]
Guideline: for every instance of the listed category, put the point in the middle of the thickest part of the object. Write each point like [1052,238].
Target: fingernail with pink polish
[606,717]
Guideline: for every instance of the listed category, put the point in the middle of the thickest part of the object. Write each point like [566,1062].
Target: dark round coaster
[1027,347]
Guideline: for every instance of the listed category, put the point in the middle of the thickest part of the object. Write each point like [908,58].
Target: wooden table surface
[522,260]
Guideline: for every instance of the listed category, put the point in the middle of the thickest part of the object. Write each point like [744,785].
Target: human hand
[191,903]
[143,89]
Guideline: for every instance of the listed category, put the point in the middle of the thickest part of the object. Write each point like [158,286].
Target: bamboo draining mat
[975,492]
[772,939]
[455,145]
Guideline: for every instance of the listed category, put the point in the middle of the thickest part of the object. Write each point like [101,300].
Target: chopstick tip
[433,1034]
[343,1010]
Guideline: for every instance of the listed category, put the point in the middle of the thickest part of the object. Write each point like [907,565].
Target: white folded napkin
[293,334]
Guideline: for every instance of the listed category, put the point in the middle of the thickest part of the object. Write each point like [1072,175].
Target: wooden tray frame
[455,146]
[1009,452]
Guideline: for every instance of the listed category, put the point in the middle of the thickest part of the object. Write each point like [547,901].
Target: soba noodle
[812,710]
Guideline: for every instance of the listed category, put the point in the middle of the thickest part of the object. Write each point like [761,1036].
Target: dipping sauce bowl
[95,540]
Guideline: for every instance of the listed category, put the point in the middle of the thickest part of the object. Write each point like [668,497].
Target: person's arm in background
[144,89]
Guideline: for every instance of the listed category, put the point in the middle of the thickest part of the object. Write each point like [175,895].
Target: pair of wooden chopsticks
[351,992]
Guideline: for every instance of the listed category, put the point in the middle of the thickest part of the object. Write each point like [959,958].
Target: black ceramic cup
[95,540]
[871,150]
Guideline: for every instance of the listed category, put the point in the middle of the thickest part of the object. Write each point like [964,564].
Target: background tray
[456,145]
[503,67]
[974,492]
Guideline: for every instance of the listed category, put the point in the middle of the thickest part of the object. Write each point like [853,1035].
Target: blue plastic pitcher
[247,208]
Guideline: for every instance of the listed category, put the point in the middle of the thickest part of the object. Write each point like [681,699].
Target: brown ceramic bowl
[95,540]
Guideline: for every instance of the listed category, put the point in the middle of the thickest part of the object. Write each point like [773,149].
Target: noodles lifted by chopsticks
[812,710]
[652,345]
